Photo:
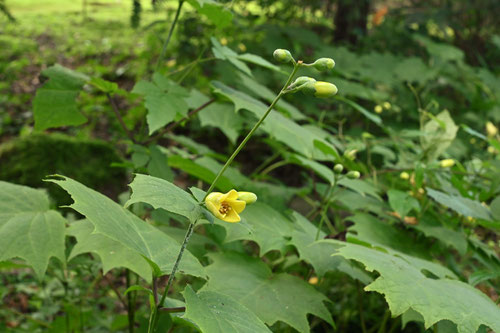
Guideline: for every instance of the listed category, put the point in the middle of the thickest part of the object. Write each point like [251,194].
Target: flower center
[224,208]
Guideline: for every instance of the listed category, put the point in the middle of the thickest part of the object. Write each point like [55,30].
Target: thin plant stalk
[167,41]
[170,280]
[130,305]
[252,131]
[153,319]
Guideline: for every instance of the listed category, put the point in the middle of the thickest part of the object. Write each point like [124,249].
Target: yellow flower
[404,175]
[491,129]
[447,163]
[225,206]
[378,109]
[313,280]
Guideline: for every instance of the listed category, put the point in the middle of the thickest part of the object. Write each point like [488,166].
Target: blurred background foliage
[408,65]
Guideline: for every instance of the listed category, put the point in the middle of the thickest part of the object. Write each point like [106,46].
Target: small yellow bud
[313,280]
[338,168]
[472,141]
[171,63]
[378,109]
[491,129]
[404,175]
[350,154]
[282,55]
[492,150]
[223,41]
[353,174]
[421,191]
[248,197]
[324,64]
[325,89]
[242,47]
[387,105]
[447,163]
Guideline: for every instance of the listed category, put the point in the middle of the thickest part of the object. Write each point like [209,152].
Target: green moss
[29,160]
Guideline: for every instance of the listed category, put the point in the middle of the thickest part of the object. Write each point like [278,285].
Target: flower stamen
[224,208]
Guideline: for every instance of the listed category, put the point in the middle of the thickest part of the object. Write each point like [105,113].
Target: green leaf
[199,172]
[461,205]
[112,253]
[374,118]
[433,228]
[258,60]
[268,95]
[225,53]
[369,230]
[319,254]
[361,186]
[160,193]
[283,129]
[137,288]
[215,12]
[28,229]
[164,100]
[440,50]
[261,224]
[435,139]
[405,287]
[103,85]
[223,117]
[272,297]
[113,221]
[321,170]
[158,165]
[495,208]
[55,102]
[215,313]
[402,202]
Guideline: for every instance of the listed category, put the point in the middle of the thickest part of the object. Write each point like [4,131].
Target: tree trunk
[350,20]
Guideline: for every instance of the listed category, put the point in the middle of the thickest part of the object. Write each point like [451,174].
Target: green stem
[167,41]
[325,205]
[170,280]
[130,305]
[252,131]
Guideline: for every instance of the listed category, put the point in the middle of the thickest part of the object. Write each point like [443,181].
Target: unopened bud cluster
[305,84]
[339,168]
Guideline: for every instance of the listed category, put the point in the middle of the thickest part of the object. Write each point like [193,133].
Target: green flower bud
[324,64]
[282,55]
[248,197]
[320,89]
[338,168]
[353,174]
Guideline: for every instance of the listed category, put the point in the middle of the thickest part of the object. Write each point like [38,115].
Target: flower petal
[213,206]
[232,195]
[232,217]
[238,205]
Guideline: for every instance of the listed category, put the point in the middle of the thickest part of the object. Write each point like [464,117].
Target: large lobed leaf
[405,287]
[55,102]
[115,222]
[112,253]
[215,312]
[164,100]
[28,228]
[272,297]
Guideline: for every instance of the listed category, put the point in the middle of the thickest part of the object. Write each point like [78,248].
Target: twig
[119,117]
[167,41]
[117,292]
[172,310]
[171,126]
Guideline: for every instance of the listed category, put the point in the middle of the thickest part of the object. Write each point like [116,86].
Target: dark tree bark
[350,20]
